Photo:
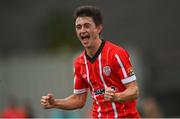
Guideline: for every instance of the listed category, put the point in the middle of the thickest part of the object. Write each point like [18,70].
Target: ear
[99,28]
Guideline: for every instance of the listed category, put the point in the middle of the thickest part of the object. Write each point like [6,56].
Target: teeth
[84,36]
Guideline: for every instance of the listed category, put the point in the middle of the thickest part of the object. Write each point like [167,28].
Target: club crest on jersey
[107,70]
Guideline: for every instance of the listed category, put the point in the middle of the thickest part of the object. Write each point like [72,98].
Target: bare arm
[129,94]
[74,101]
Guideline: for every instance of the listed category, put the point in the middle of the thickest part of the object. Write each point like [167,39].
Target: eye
[87,25]
[78,27]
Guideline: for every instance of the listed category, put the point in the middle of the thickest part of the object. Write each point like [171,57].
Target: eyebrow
[83,24]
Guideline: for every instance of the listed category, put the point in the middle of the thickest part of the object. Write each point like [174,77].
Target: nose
[82,30]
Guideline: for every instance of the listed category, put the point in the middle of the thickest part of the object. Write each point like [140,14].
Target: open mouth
[85,36]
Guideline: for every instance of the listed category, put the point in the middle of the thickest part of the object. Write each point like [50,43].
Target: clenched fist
[48,101]
[109,94]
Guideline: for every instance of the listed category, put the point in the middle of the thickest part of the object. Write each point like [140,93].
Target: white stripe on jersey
[104,83]
[100,71]
[121,65]
[87,73]
[74,79]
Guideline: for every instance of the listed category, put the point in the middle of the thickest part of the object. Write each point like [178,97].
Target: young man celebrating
[104,68]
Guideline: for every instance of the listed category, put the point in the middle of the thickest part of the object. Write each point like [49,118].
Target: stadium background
[38,45]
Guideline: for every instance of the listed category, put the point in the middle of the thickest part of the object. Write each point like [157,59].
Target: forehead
[83,20]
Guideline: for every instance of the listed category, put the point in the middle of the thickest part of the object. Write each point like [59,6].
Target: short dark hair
[89,11]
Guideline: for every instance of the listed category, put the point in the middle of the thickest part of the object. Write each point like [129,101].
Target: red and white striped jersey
[109,67]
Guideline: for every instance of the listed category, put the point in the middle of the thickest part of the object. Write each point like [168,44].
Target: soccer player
[103,68]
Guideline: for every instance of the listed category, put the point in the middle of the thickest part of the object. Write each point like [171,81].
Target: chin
[87,46]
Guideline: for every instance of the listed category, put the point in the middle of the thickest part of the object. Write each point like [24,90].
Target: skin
[86,27]
[88,33]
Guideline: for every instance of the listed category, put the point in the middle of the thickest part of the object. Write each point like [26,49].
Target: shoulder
[79,59]
[115,49]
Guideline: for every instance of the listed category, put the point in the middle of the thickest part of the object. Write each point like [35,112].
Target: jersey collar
[92,59]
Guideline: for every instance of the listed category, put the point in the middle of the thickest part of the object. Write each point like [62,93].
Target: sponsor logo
[102,90]
[99,91]
[107,70]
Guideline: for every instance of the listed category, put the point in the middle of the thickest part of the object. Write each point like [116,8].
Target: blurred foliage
[59,33]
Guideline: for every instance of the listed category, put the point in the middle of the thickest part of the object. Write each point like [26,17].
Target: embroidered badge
[107,70]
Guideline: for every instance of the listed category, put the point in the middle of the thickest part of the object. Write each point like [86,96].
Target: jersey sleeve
[80,84]
[123,66]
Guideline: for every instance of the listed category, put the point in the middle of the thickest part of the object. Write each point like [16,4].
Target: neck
[92,50]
